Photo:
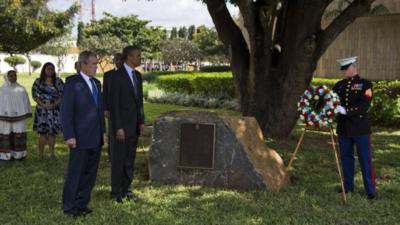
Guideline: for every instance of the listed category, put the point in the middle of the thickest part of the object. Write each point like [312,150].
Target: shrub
[220,85]
[176,83]
[147,87]
[215,69]
[14,61]
[202,84]
[152,76]
[35,65]
[329,82]
[159,96]
[385,110]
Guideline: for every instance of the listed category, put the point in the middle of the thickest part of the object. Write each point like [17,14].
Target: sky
[166,13]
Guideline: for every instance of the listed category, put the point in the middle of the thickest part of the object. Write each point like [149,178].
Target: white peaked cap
[347,61]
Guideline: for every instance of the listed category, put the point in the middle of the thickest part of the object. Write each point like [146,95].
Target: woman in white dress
[15,108]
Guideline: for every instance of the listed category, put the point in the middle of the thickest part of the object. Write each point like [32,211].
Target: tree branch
[246,8]
[228,31]
[352,12]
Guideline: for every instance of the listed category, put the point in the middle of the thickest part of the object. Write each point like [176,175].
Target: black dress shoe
[85,211]
[73,214]
[341,191]
[372,196]
[131,197]
[118,199]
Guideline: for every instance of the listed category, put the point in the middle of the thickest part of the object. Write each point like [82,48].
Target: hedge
[215,69]
[203,84]
[385,110]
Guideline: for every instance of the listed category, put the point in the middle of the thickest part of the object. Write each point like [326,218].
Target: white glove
[341,110]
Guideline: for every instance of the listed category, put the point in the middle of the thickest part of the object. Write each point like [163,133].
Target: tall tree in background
[110,34]
[182,32]
[25,24]
[174,33]
[286,40]
[104,46]
[211,48]
[179,51]
[58,47]
[191,31]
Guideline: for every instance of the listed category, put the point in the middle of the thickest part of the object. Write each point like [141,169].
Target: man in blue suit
[83,125]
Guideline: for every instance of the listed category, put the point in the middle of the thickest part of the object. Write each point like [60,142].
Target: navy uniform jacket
[355,96]
[80,117]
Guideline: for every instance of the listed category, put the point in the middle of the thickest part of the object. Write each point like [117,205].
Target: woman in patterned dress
[15,108]
[47,91]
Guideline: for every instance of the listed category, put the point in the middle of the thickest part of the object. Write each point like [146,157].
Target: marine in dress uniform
[353,128]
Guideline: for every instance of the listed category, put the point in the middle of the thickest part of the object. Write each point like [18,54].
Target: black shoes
[131,197]
[372,196]
[74,214]
[85,211]
[78,213]
[117,199]
[341,191]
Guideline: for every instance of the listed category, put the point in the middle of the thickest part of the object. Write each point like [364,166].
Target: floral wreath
[317,106]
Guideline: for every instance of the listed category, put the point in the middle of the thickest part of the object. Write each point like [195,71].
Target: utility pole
[78,2]
[93,10]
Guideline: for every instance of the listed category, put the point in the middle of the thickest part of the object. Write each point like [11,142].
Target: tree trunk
[29,63]
[269,80]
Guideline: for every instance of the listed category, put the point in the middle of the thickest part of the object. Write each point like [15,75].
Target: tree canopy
[110,34]
[27,24]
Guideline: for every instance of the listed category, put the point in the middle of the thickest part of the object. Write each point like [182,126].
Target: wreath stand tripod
[329,130]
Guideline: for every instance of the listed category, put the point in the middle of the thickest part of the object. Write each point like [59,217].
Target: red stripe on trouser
[372,170]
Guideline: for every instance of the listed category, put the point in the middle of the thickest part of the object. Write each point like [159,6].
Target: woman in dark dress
[47,92]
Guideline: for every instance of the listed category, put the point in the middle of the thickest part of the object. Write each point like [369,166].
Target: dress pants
[363,145]
[80,178]
[122,166]
[111,140]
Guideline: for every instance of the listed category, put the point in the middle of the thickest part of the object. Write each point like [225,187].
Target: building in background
[373,39]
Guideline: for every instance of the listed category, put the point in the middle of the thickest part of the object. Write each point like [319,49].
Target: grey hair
[85,55]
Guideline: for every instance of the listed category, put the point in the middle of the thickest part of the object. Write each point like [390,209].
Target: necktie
[135,83]
[95,93]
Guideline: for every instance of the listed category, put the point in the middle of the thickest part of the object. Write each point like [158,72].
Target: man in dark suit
[82,120]
[127,118]
[106,96]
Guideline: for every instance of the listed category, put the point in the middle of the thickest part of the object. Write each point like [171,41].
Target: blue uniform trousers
[80,178]
[363,145]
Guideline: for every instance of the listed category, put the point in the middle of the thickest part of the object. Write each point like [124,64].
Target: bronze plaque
[197,146]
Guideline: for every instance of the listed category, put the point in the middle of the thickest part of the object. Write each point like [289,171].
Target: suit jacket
[126,108]
[80,117]
[106,88]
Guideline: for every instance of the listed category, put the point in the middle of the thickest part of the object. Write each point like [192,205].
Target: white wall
[68,63]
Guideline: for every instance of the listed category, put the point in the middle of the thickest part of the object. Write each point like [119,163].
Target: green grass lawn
[30,190]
